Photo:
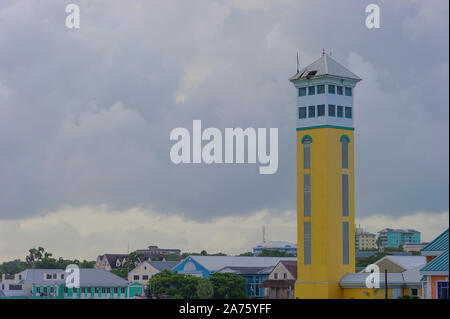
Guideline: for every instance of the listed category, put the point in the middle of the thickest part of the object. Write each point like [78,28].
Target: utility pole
[386,296]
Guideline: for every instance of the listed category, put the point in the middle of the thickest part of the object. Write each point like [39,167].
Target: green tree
[205,289]
[247,254]
[174,285]
[228,285]
[274,253]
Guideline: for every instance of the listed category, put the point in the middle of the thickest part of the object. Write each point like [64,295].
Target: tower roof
[325,65]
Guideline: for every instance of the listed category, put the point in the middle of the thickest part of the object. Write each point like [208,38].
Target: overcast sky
[85,118]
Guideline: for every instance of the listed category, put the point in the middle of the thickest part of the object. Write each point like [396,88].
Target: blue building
[398,237]
[254,269]
[283,246]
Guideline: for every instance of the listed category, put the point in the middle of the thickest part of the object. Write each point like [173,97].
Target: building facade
[398,237]
[282,246]
[365,240]
[147,269]
[281,281]
[325,177]
[435,273]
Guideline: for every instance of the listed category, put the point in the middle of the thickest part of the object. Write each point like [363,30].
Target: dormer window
[339,90]
[320,89]
[311,90]
[348,91]
[301,91]
[331,89]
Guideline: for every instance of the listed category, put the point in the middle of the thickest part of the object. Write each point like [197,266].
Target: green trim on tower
[322,126]
[305,137]
[346,137]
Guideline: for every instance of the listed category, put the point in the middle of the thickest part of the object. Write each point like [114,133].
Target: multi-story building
[282,246]
[364,240]
[111,261]
[398,237]
[51,283]
[154,252]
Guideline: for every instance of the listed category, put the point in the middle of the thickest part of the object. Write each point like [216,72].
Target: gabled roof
[291,266]
[247,270]
[323,66]
[440,243]
[163,265]
[406,262]
[439,263]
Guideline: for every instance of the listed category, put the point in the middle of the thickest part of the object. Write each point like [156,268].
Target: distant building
[414,247]
[283,246]
[111,261]
[435,273]
[398,237]
[399,264]
[153,252]
[254,269]
[281,281]
[365,240]
[147,269]
[51,283]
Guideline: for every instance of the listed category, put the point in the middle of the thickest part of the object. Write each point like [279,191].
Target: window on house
[345,248]
[285,275]
[122,290]
[348,112]
[321,110]
[307,194]
[307,242]
[115,290]
[54,276]
[339,90]
[331,110]
[311,111]
[66,290]
[311,90]
[302,112]
[331,89]
[136,277]
[348,91]
[344,195]
[320,89]
[301,91]
[75,290]
[275,275]
[145,277]
[414,292]
[62,276]
[340,111]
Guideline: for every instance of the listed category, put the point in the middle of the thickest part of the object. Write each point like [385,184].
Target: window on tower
[339,90]
[307,195]
[306,152]
[348,112]
[301,91]
[321,89]
[345,243]
[302,112]
[307,241]
[344,149]
[311,111]
[348,91]
[340,111]
[321,110]
[331,89]
[311,90]
[345,195]
[331,110]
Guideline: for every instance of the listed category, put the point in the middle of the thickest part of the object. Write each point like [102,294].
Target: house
[111,261]
[282,246]
[254,269]
[254,276]
[281,281]
[51,283]
[354,286]
[147,269]
[414,247]
[435,273]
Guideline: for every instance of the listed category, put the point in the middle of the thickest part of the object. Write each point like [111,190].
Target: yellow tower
[325,178]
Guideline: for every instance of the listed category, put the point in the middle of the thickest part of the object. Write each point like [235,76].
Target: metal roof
[163,265]
[440,243]
[394,280]
[247,270]
[407,262]
[215,263]
[276,244]
[325,65]
[439,263]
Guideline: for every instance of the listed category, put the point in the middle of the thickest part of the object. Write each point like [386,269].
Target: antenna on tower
[323,51]
[297,63]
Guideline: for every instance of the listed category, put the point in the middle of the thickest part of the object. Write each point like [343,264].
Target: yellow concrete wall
[321,278]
